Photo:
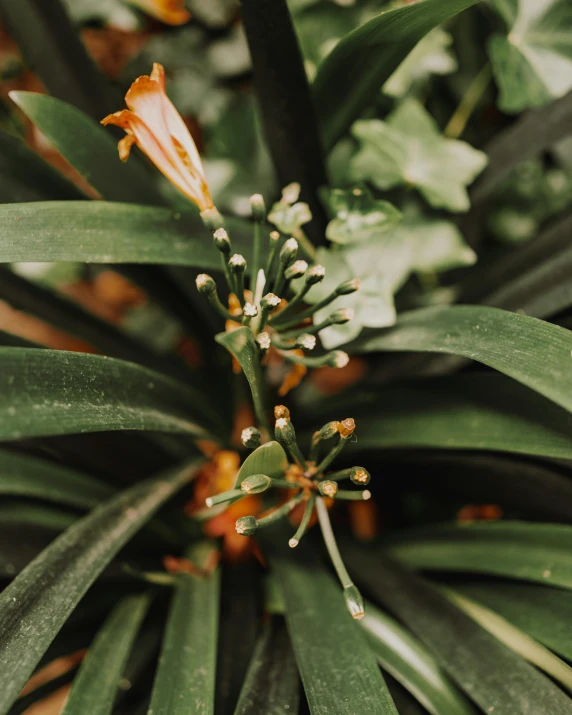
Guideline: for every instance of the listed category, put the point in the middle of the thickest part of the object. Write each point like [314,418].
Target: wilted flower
[153,123]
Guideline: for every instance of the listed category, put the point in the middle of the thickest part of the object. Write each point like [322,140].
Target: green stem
[256,255]
[347,495]
[331,544]
[283,510]
[468,103]
[232,495]
[332,454]
[295,540]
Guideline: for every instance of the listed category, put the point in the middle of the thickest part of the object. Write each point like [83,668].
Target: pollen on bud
[327,488]
[246,525]
[281,411]
[315,274]
[205,284]
[346,427]
[306,341]
[338,358]
[263,340]
[256,484]
[282,423]
[270,301]
[250,310]
[341,316]
[237,263]
[289,251]
[354,602]
[250,437]
[257,207]
[360,476]
[296,270]
[348,287]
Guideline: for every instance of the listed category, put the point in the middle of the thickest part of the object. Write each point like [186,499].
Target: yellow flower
[153,123]
[171,12]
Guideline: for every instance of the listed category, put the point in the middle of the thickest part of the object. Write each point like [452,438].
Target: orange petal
[125,145]
[171,12]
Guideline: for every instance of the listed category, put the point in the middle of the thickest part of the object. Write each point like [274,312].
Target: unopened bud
[250,310]
[256,484]
[289,251]
[341,316]
[246,525]
[347,427]
[348,287]
[205,284]
[237,263]
[270,301]
[360,476]
[222,241]
[257,207]
[315,274]
[327,431]
[212,219]
[274,236]
[305,341]
[263,340]
[281,411]
[354,602]
[250,437]
[328,488]
[338,358]
[296,270]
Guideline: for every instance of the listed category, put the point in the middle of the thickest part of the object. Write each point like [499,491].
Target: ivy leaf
[289,214]
[358,216]
[533,62]
[430,56]
[408,149]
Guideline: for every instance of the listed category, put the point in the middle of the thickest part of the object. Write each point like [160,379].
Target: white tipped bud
[288,251]
[306,341]
[237,263]
[338,358]
[257,207]
[296,270]
[270,301]
[293,543]
[274,236]
[348,287]
[250,310]
[263,340]
[343,315]
[205,284]
[315,274]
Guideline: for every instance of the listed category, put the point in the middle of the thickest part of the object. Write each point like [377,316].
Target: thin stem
[339,476]
[332,454]
[232,495]
[347,495]
[308,313]
[331,543]
[468,103]
[216,303]
[283,510]
[256,255]
[306,245]
[295,540]
[227,274]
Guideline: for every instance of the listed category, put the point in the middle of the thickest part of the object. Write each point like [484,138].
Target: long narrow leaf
[37,603]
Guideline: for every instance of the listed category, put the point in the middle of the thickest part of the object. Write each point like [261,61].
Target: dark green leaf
[89,148]
[528,350]
[185,680]
[102,232]
[37,603]
[409,662]
[95,686]
[49,392]
[271,685]
[478,662]
[362,62]
[337,667]
[515,549]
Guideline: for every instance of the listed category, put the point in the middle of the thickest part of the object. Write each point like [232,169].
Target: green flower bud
[212,219]
[328,488]
[250,310]
[263,340]
[296,270]
[337,358]
[237,263]
[348,287]
[246,525]
[315,274]
[257,207]
[256,484]
[289,251]
[360,476]
[354,602]
[305,341]
[341,316]
[205,284]
[269,302]
[222,241]
[250,437]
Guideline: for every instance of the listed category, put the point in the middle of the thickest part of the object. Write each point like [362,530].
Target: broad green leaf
[50,392]
[412,664]
[38,602]
[24,176]
[533,62]
[185,679]
[519,642]
[527,349]
[105,232]
[358,216]
[431,55]
[542,612]
[467,411]
[269,459]
[243,347]
[47,516]
[89,148]
[337,667]
[271,685]
[477,661]
[408,148]
[514,549]
[24,475]
[366,58]
[95,686]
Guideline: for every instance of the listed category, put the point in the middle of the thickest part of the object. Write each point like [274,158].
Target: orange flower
[171,12]
[153,123]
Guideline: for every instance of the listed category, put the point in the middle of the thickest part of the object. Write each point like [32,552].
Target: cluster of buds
[271,307]
[309,482]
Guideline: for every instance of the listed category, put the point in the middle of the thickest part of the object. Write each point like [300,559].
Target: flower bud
[360,476]
[250,310]
[256,484]
[263,340]
[348,287]
[250,437]
[315,274]
[296,270]
[274,237]
[246,525]
[257,207]
[354,602]
[237,263]
[222,241]
[289,251]
[341,316]
[328,488]
[305,341]
[205,284]
[269,302]
[329,430]
[338,358]
[347,427]
[212,219]
[281,411]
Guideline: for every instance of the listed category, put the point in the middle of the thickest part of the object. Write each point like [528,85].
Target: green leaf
[477,661]
[519,642]
[50,392]
[89,148]
[185,680]
[542,612]
[37,603]
[24,176]
[102,232]
[533,62]
[95,686]
[528,350]
[412,664]
[24,475]
[338,669]
[431,55]
[408,148]
[358,216]
[467,411]
[269,459]
[513,549]
[271,685]
[366,58]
